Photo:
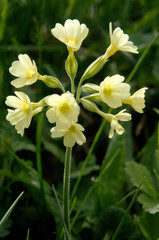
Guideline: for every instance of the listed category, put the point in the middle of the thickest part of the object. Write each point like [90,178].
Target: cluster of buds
[63,110]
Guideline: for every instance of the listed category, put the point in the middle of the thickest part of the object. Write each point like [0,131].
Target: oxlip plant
[63,110]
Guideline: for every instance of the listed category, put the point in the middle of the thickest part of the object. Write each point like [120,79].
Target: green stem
[66,189]
[38,153]
[72,86]
[95,141]
[79,90]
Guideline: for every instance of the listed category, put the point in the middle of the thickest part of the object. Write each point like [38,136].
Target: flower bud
[51,81]
[94,67]
[90,87]
[71,65]
[89,105]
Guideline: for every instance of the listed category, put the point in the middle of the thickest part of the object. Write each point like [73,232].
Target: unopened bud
[94,67]
[71,65]
[89,105]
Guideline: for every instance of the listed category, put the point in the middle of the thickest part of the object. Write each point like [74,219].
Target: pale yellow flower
[64,109]
[137,100]
[113,119]
[71,135]
[22,114]
[25,70]
[72,33]
[119,42]
[112,90]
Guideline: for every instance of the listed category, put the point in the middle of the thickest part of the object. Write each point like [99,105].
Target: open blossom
[71,135]
[113,119]
[64,109]
[22,114]
[119,42]
[137,100]
[25,70]
[112,90]
[72,33]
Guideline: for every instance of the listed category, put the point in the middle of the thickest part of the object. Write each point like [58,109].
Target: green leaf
[108,222]
[148,152]
[112,174]
[149,197]
[137,172]
[91,166]
[149,204]
[148,224]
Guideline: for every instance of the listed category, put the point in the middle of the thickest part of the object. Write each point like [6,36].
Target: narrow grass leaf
[141,59]
[127,211]
[28,232]
[61,214]
[7,214]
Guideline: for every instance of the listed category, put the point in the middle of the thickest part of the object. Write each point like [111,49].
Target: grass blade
[7,214]
[141,59]
[127,211]
[28,234]
[62,217]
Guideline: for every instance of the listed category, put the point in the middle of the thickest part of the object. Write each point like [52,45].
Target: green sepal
[52,82]
[89,105]
[90,87]
[94,67]
[71,66]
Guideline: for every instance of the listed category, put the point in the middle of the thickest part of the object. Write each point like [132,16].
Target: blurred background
[25,27]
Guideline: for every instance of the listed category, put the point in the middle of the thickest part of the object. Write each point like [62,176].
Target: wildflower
[113,119]
[64,109]
[137,100]
[22,115]
[119,42]
[25,70]
[112,90]
[72,34]
[71,135]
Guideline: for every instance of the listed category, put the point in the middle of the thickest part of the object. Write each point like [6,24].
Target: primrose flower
[71,135]
[25,70]
[112,90]
[119,42]
[22,114]
[113,119]
[72,34]
[64,109]
[137,100]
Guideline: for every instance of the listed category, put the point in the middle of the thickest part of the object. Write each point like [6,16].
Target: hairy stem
[66,189]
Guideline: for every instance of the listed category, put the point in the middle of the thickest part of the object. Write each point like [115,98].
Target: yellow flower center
[64,107]
[30,73]
[26,107]
[107,90]
[72,42]
[72,129]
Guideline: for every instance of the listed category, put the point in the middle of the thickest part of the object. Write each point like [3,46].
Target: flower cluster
[63,110]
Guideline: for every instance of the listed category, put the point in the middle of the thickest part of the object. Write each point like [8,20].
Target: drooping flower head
[25,70]
[64,109]
[72,33]
[113,90]
[137,100]
[113,119]
[71,135]
[119,42]
[22,114]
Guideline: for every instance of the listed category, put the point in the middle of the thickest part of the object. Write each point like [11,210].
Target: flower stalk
[66,189]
